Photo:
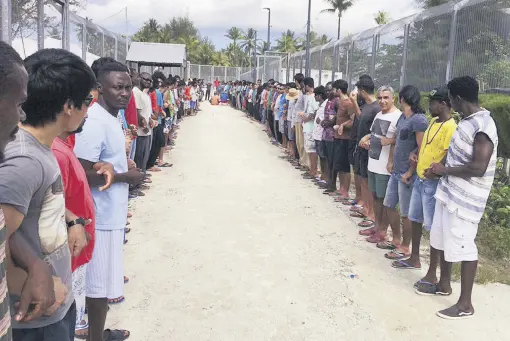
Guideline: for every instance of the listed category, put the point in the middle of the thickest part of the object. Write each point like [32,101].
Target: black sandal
[116,334]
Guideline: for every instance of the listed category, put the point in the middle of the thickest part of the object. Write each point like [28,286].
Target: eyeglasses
[88,100]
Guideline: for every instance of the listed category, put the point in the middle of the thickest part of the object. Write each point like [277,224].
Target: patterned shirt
[329,120]
[468,196]
[5,316]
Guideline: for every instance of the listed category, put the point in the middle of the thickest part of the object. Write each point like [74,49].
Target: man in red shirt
[78,199]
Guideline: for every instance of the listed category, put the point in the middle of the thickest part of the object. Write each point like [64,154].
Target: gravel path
[232,244]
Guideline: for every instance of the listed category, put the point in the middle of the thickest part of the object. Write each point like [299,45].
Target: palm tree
[150,32]
[287,42]
[235,34]
[382,18]
[262,46]
[339,6]
[248,43]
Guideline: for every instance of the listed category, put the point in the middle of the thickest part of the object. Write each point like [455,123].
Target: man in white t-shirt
[380,143]
[144,109]
[308,118]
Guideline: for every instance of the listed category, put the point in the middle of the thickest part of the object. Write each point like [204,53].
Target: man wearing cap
[434,148]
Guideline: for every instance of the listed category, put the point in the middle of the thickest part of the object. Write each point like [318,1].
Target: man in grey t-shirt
[31,190]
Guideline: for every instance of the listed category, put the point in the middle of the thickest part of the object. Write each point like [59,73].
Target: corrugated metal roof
[157,54]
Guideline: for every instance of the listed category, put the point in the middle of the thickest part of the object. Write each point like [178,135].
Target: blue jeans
[132,151]
[423,203]
[399,192]
[262,115]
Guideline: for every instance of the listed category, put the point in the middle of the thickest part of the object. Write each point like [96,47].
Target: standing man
[378,143]
[13,92]
[102,139]
[341,164]
[208,91]
[462,193]
[300,109]
[144,108]
[434,148]
[308,118]
[368,112]
[31,190]
[410,128]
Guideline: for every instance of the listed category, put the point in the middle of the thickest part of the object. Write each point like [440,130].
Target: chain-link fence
[467,37]
[32,25]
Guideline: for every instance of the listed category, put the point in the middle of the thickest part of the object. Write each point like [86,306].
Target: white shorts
[453,235]
[105,271]
[79,285]
[309,143]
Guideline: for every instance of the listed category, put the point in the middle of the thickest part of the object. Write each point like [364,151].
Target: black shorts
[341,156]
[329,151]
[320,148]
[352,149]
[62,330]
[361,162]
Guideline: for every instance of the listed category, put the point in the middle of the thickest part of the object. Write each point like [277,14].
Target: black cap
[440,94]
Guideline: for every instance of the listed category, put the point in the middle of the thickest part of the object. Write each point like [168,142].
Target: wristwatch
[79,221]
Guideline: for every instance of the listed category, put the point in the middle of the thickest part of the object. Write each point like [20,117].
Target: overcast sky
[214,17]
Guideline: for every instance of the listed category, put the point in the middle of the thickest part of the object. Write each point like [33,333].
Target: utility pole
[254,67]
[127,45]
[268,27]
[307,60]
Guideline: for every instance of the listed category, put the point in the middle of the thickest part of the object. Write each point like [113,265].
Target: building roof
[157,54]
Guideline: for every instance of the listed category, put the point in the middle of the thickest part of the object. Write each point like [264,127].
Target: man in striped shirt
[462,193]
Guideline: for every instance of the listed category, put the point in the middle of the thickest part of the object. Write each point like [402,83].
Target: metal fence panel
[427,53]
[193,71]
[233,73]
[53,27]
[219,73]
[315,64]
[327,63]
[482,48]
[390,54]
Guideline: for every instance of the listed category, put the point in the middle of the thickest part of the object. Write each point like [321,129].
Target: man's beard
[79,129]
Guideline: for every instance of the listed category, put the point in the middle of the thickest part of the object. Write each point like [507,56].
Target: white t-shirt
[193,94]
[311,107]
[143,103]
[383,125]
[317,128]
[250,96]
[102,139]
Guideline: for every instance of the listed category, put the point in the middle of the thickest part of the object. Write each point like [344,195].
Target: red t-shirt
[77,194]
[131,114]
[154,101]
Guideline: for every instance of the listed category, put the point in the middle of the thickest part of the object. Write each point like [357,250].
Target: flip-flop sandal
[430,289]
[386,245]
[374,239]
[396,255]
[166,164]
[420,282]
[356,208]
[350,202]
[340,199]
[127,230]
[126,280]
[116,335]
[366,232]
[117,300]
[404,265]
[357,215]
[129,214]
[147,181]
[367,223]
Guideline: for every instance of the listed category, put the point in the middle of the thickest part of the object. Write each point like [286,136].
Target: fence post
[6,8]
[239,73]
[66,39]
[347,62]
[102,45]
[116,48]
[375,39]
[320,66]
[403,69]
[451,46]
[288,67]
[40,24]
[84,44]
[199,71]
[334,58]
[225,78]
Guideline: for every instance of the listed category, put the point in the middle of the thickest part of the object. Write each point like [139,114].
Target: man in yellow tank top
[434,148]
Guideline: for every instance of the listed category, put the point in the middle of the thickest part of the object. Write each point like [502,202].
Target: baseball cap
[440,94]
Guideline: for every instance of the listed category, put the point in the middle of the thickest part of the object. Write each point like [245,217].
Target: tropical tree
[248,43]
[382,18]
[288,42]
[150,32]
[235,34]
[339,7]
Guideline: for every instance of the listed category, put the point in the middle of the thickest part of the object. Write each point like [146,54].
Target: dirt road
[231,244]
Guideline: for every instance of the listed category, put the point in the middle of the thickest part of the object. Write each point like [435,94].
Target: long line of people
[408,172]
[89,140]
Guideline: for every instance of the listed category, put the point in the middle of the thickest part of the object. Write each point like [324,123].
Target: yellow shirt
[435,143]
